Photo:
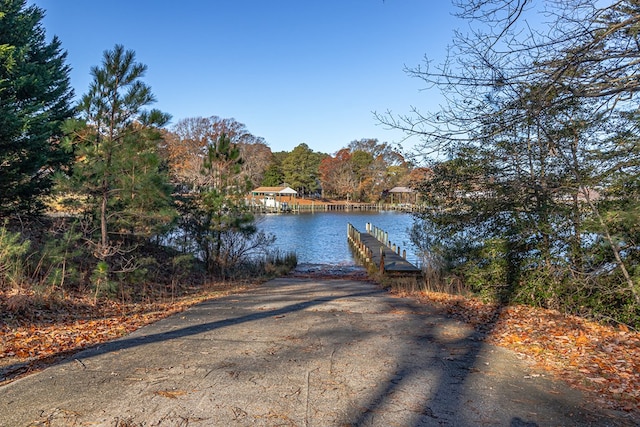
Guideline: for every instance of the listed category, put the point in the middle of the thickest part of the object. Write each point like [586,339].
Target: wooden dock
[383,256]
[319,206]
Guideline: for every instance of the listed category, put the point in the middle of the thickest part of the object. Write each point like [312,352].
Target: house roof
[275,190]
[401,190]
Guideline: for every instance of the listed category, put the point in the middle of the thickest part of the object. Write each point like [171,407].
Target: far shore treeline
[528,174]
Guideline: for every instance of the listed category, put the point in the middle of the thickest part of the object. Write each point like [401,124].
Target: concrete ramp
[298,352]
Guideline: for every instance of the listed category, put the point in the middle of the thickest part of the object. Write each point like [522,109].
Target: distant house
[584,195]
[274,197]
[403,195]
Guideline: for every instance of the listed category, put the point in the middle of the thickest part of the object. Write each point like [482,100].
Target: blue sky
[293,71]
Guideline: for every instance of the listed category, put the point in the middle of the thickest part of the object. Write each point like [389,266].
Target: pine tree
[35,99]
[118,168]
[300,169]
[217,216]
[273,176]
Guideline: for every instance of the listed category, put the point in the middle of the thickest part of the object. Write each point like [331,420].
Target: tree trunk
[616,252]
[103,222]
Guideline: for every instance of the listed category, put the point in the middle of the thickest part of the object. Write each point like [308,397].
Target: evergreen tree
[35,99]
[273,176]
[300,169]
[217,216]
[116,142]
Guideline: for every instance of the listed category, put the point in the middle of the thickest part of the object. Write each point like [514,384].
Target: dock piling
[373,252]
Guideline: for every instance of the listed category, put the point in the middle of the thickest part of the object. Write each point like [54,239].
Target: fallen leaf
[173,394]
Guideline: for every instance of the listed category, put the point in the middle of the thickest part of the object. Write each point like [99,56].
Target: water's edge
[321,238]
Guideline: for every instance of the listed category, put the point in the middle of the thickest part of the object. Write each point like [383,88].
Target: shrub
[13,252]
[101,282]
[58,262]
[277,263]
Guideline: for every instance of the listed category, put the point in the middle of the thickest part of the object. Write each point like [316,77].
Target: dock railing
[355,238]
[375,250]
[256,205]
[383,237]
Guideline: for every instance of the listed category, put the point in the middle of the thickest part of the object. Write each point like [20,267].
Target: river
[321,237]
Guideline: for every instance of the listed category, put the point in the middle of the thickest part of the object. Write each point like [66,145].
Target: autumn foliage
[364,171]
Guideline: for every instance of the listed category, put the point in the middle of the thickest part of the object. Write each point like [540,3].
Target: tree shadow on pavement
[474,384]
[396,361]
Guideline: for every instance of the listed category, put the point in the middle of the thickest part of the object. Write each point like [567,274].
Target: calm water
[321,238]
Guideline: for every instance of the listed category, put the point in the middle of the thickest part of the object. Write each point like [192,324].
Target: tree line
[126,183]
[535,183]
[360,172]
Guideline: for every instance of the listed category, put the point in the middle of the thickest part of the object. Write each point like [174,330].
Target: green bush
[13,252]
[486,272]
[542,287]
[58,262]
[102,284]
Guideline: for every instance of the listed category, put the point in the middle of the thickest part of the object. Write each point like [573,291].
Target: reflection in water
[321,238]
